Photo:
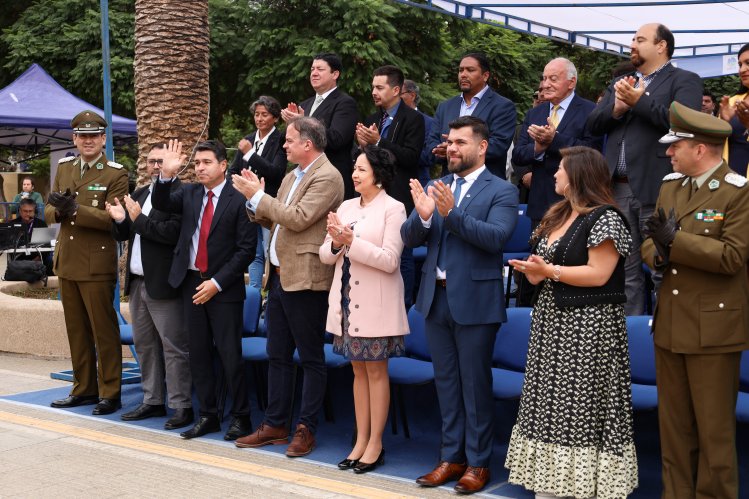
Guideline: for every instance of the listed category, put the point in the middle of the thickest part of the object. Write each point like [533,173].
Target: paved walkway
[48,453]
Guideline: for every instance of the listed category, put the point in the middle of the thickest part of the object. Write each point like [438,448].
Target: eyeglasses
[152,162]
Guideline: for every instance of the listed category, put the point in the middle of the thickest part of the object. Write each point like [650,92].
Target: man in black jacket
[399,129]
[155,307]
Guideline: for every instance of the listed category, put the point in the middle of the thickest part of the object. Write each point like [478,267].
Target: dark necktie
[201,258]
[257,146]
[442,257]
[384,124]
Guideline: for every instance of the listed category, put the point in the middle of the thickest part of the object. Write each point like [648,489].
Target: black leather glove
[56,199]
[662,230]
[68,207]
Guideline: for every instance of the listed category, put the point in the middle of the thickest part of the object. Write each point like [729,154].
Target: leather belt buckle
[277,270]
[442,283]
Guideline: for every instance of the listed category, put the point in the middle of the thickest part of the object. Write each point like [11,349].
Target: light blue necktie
[459,181]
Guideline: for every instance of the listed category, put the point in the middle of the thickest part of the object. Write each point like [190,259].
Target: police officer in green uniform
[699,238]
[85,262]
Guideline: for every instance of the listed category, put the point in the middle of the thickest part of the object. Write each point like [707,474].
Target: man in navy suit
[548,128]
[633,114]
[215,246]
[464,219]
[411,97]
[334,109]
[479,100]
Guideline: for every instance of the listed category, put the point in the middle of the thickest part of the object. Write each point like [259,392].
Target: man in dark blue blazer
[633,114]
[411,97]
[464,219]
[558,123]
[208,265]
[479,100]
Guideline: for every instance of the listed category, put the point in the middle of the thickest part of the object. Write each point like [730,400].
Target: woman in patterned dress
[366,311]
[573,436]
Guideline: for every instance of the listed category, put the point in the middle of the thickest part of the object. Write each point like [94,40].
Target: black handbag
[25,270]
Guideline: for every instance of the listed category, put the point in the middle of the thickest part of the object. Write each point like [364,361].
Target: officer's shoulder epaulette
[673,176]
[65,159]
[735,179]
[114,165]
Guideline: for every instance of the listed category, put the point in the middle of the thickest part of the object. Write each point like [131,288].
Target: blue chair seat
[506,384]
[742,408]
[126,334]
[408,371]
[332,359]
[644,397]
[253,349]
[420,253]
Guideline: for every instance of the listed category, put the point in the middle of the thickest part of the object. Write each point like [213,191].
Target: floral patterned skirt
[356,347]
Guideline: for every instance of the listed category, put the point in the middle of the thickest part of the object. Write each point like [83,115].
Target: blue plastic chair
[253,345]
[415,369]
[251,311]
[518,246]
[642,362]
[742,404]
[510,353]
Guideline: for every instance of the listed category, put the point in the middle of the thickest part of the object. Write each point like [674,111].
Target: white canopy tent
[708,33]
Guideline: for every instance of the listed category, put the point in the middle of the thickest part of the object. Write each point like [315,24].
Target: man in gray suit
[633,113]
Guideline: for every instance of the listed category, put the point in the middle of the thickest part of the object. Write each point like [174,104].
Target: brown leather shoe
[264,435]
[443,473]
[473,480]
[302,443]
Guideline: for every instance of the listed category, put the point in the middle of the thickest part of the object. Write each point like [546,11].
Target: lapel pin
[713,184]
[99,166]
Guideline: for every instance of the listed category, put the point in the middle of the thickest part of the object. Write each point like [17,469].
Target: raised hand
[443,197]
[423,204]
[173,159]
[116,211]
[133,207]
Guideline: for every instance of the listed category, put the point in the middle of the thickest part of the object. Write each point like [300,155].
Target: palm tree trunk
[172,45]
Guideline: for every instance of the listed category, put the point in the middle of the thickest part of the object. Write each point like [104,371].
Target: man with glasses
[85,262]
[159,333]
[411,97]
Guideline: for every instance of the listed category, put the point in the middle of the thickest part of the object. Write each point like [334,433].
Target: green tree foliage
[64,37]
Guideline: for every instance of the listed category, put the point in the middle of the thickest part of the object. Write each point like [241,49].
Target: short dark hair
[27,201]
[214,146]
[332,59]
[269,103]
[742,89]
[29,179]
[159,145]
[663,33]
[382,162]
[394,75]
[481,58]
[706,93]
[311,129]
[478,126]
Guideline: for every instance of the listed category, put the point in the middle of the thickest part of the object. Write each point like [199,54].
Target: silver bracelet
[557,274]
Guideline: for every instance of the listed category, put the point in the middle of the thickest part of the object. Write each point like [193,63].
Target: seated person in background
[27,192]
[27,217]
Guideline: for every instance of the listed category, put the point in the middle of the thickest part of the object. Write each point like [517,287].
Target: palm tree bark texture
[172,43]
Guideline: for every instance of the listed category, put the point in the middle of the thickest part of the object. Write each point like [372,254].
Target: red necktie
[201,258]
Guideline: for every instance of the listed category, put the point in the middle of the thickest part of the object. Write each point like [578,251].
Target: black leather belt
[442,283]
[199,275]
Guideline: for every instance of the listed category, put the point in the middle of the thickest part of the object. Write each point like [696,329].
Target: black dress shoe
[144,411]
[75,401]
[363,467]
[347,464]
[240,426]
[106,406]
[181,418]
[205,425]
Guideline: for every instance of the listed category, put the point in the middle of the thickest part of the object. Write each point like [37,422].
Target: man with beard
[479,100]
[465,219]
[633,113]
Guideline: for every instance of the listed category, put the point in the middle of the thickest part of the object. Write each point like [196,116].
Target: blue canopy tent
[35,111]
[708,32]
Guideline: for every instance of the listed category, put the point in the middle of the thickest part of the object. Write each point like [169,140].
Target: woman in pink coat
[366,309]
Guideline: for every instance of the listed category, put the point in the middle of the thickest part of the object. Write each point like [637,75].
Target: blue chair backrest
[251,312]
[519,241]
[511,345]
[641,350]
[416,340]
[745,371]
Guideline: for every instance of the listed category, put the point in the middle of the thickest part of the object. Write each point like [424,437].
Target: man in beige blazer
[298,283]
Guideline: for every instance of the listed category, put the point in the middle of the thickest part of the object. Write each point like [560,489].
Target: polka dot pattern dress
[574,436]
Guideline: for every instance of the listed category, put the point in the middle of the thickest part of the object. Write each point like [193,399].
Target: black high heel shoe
[347,464]
[367,467]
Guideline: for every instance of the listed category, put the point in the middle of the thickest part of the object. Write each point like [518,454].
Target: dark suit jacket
[232,240]
[499,115]
[270,165]
[478,230]
[339,115]
[158,232]
[572,131]
[426,159]
[642,126]
[405,139]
